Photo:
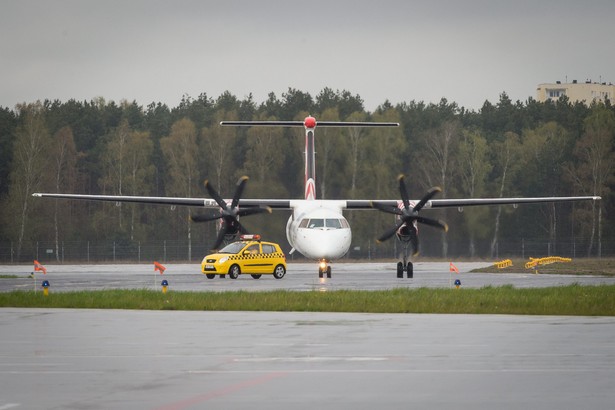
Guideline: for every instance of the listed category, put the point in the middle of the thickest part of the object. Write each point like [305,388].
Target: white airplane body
[317,228]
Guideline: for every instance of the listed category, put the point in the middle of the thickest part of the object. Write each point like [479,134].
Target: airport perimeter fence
[193,252]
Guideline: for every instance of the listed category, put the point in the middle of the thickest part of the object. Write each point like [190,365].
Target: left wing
[162,200]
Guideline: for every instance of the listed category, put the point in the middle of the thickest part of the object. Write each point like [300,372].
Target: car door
[253,259]
[269,260]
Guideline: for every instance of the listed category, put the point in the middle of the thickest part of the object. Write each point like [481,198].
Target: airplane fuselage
[318,230]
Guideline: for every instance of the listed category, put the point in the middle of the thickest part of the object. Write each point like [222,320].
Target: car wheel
[210,275]
[279,272]
[256,276]
[234,272]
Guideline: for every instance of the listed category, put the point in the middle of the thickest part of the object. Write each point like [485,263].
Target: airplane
[317,228]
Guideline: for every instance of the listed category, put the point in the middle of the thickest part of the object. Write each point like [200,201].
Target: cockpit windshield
[320,223]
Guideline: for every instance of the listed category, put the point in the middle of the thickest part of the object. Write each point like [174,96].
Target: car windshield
[234,247]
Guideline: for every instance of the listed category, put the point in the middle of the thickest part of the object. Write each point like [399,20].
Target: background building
[587,91]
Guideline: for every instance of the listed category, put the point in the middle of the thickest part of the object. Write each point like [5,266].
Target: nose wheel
[324,269]
[405,267]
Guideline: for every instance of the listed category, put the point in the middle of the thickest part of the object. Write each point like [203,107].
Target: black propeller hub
[229,213]
[408,216]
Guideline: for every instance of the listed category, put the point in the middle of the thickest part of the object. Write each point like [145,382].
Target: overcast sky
[157,51]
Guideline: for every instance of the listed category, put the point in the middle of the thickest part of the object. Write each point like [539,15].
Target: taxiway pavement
[299,277]
[101,359]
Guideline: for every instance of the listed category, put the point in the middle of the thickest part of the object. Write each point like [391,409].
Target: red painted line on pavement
[220,392]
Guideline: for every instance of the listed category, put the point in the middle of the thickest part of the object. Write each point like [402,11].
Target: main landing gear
[324,269]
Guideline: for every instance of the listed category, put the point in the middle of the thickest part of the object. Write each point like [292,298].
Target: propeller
[408,215]
[229,213]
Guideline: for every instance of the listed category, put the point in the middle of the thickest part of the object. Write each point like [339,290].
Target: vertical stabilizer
[310,159]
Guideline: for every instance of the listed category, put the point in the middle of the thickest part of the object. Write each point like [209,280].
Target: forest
[503,149]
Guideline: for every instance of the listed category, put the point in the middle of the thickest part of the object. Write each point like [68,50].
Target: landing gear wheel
[279,272]
[329,272]
[234,272]
[400,270]
[210,275]
[320,273]
[410,270]
[256,276]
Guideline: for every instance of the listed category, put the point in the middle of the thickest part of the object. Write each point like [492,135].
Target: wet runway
[101,359]
[300,277]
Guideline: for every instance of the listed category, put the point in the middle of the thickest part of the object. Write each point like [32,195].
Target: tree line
[503,149]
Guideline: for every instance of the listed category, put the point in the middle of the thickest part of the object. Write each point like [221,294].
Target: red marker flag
[159,267]
[453,268]
[39,267]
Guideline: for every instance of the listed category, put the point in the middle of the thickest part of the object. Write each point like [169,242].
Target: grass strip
[573,300]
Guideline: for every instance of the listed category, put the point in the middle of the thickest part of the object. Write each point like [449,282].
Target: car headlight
[222,260]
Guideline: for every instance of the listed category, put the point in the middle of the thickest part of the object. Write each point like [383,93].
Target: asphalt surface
[102,359]
[300,277]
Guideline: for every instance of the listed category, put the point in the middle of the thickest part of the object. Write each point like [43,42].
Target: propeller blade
[427,197]
[219,238]
[214,194]
[388,209]
[403,192]
[409,215]
[241,184]
[230,212]
[242,229]
[253,211]
[390,232]
[432,222]
[205,218]
[414,240]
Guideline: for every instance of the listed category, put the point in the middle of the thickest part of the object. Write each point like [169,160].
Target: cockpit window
[316,223]
[333,223]
[330,223]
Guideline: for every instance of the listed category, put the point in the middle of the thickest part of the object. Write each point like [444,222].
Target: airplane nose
[330,244]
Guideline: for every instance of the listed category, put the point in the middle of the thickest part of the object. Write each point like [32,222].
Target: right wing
[463,202]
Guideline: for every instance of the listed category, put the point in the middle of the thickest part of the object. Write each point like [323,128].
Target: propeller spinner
[408,215]
[229,213]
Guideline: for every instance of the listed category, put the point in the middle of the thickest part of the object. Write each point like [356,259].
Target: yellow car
[249,255]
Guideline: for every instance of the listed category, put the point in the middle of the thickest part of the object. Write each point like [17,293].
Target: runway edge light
[165,285]
[45,286]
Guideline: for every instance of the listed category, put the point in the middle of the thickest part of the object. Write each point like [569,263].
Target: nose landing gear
[405,267]
[324,269]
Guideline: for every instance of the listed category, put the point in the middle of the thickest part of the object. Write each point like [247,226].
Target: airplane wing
[158,200]
[463,202]
[356,204]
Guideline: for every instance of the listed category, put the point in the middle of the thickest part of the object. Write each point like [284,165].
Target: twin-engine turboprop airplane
[317,228]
